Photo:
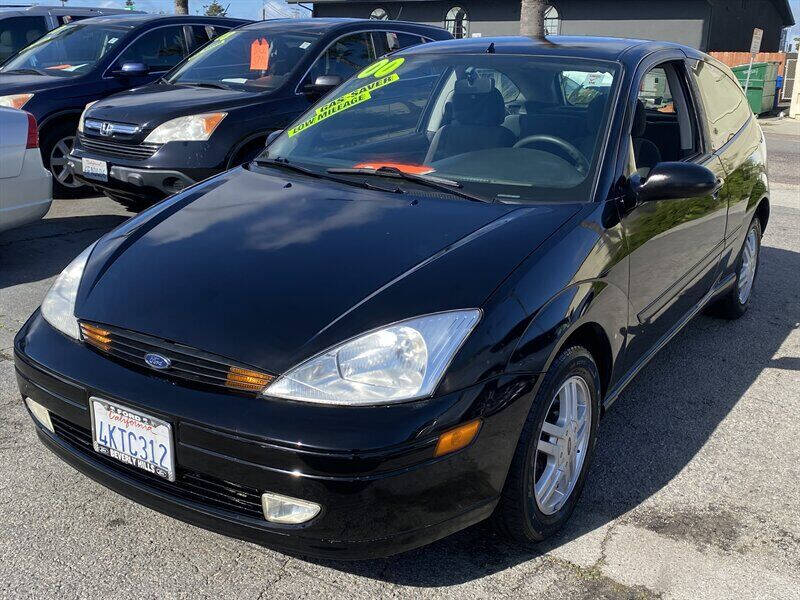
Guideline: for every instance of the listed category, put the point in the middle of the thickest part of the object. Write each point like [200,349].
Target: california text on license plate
[133,438]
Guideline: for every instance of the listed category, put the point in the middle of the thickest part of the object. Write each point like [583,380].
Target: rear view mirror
[132,69]
[322,85]
[675,180]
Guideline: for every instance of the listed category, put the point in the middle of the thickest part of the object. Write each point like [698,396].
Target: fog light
[283,509]
[40,413]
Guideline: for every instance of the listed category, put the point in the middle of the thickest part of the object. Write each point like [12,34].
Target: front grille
[185,363]
[188,485]
[116,149]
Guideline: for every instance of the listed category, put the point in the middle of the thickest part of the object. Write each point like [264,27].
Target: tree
[531,18]
[215,9]
[181,7]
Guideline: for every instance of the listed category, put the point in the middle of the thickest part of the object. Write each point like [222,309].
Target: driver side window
[159,49]
[343,58]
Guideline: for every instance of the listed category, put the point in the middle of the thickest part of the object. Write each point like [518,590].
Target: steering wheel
[576,155]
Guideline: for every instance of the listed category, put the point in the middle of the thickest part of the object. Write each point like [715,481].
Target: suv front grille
[182,361]
[188,485]
[118,150]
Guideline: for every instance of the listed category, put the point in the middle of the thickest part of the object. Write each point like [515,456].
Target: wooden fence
[734,59]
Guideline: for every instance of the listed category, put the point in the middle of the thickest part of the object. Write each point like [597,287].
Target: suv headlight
[195,128]
[83,115]
[15,100]
[58,306]
[402,361]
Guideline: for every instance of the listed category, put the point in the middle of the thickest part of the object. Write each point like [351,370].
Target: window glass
[202,34]
[581,87]
[654,92]
[254,59]
[726,107]
[18,32]
[344,57]
[160,49]
[68,51]
[398,41]
[457,22]
[445,115]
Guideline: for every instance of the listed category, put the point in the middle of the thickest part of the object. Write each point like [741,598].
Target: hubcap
[58,162]
[747,272]
[562,445]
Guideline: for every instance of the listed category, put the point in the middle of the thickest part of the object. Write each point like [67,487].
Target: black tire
[132,204]
[54,142]
[518,517]
[731,306]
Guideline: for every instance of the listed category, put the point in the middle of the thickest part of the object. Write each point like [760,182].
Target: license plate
[95,169]
[133,438]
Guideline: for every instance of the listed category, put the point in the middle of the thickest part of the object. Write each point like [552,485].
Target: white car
[26,187]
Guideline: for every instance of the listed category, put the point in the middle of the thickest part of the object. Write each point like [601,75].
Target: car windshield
[68,51]
[508,128]
[251,59]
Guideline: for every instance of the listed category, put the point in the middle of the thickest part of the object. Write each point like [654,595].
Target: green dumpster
[761,88]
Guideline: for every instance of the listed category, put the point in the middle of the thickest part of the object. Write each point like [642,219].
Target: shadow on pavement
[662,420]
[41,250]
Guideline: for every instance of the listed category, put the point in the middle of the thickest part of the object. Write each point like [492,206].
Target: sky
[251,9]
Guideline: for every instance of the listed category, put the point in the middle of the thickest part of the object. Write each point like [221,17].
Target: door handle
[718,187]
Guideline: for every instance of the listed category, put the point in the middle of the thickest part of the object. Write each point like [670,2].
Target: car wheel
[56,146]
[737,300]
[555,448]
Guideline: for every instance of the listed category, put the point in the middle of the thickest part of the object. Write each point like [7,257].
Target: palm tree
[531,19]
[181,7]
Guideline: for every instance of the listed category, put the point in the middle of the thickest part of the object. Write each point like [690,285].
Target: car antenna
[490,49]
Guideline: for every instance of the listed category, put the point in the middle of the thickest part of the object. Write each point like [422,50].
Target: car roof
[598,48]
[321,26]
[137,19]
[39,9]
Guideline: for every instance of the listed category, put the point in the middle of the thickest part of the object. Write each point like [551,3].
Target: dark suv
[21,25]
[216,109]
[56,76]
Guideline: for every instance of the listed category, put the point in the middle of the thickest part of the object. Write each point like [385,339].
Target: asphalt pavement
[694,491]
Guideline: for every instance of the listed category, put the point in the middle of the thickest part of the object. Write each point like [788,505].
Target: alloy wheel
[58,162]
[747,272]
[562,445]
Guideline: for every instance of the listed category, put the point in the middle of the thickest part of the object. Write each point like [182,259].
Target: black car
[410,312]
[215,110]
[56,76]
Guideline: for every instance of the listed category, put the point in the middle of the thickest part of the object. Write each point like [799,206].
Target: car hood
[154,104]
[18,83]
[255,266]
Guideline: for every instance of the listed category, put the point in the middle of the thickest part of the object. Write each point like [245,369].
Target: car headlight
[83,115]
[195,128]
[58,306]
[15,100]
[399,362]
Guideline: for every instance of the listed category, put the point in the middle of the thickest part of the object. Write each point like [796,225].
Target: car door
[343,57]
[159,49]
[674,245]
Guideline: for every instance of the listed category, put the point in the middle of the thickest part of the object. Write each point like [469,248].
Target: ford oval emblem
[157,361]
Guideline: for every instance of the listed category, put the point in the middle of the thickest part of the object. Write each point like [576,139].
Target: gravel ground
[693,492]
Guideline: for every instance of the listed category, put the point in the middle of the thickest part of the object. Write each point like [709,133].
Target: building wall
[718,25]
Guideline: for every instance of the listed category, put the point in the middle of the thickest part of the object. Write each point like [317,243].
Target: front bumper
[376,502]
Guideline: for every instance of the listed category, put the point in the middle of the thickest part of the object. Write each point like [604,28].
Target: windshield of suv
[500,127]
[251,59]
[68,51]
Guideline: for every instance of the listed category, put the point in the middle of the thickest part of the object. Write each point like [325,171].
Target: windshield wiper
[205,84]
[447,186]
[283,163]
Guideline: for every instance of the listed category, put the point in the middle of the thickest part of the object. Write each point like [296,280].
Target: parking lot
[693,492]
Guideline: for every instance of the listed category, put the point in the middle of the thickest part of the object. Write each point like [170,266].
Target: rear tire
[548,471]
[56,145]
[737,300]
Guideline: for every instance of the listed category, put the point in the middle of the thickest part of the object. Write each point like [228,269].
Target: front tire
[549,467]
[56,146]
[737,300]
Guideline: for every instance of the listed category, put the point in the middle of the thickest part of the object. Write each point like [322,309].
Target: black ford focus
[410,312]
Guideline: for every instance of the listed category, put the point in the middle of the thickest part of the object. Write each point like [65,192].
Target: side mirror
[322,85]
[272,136]
[675,180]
[132,69]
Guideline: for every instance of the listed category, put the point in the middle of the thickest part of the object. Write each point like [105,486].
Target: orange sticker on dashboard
[259,55]
[404,167]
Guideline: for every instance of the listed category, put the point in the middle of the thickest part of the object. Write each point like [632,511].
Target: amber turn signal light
[96,336]
[247,380]
[457,438]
